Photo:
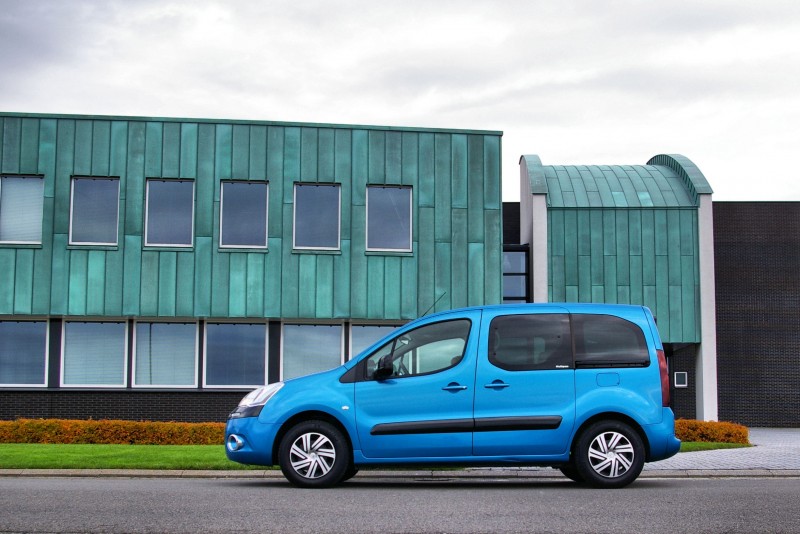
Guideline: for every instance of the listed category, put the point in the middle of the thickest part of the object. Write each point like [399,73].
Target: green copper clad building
[147,263]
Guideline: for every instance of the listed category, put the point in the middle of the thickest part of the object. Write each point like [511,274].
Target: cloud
[577,81]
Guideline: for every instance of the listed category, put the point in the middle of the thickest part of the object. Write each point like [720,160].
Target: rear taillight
[662,368]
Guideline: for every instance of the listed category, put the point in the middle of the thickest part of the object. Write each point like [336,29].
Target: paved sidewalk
[776,453]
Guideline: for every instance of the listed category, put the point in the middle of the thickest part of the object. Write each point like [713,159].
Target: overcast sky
[576,82]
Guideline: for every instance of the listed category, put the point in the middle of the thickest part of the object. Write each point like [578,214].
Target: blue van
[580,387]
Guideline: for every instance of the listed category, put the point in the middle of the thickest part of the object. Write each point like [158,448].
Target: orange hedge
[711,431]
[158,433]
[111,432]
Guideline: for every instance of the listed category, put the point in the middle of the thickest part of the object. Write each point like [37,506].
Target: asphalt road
[369,504]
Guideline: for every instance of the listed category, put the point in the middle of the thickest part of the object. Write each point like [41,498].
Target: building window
[243,215]
[165,355]
[21,202]
[310,348]
[236,355]
[170,213]
[94,354]
[515,273]
[94,212]
[362,336]
[389,218]
[317,221]
[23,353]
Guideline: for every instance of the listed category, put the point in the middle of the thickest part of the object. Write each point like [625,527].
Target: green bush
[711,431]
[110,432]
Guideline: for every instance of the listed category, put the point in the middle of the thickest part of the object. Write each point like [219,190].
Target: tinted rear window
[608,341]
[530,342]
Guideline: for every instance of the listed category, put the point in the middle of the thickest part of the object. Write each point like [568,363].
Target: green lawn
[46,456]
[181,457]
[693,446]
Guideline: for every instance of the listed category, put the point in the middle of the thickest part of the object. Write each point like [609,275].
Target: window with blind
[21,203]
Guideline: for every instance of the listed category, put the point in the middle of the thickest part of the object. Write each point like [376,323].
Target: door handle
[497,384]
[453,386]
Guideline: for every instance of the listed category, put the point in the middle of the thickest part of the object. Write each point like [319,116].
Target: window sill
[9,244]
[401,253]
[93,247]
[316,251]
[234,250]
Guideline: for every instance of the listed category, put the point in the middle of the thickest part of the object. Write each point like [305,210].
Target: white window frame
[71,213]
[125,358]
[206,385]
[147,212]
[41,207]
[222,208]
[193,385]
[46,322]
[410,219]
[342,327]
[338,217]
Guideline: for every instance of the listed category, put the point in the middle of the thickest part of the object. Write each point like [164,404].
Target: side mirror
[385,368]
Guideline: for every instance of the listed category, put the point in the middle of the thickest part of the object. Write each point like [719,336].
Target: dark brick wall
[192,407]
[511,218]
[684,400]
[757,259]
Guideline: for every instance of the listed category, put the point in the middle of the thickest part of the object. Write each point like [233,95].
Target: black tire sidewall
[341,464]
[581,455]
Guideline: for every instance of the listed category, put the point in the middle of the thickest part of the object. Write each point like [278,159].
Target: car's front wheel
[609,454]
[314,454]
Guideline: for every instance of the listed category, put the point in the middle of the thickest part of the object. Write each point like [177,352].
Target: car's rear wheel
[609,454]
[571,472]
[314,454]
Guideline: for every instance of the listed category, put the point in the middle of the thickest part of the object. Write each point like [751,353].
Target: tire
[350,473]
[571,472]
[314,454]
[609,454]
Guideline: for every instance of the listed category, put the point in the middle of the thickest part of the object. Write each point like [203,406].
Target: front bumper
[248,441]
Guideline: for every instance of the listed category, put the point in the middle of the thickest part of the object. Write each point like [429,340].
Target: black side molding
[450,426]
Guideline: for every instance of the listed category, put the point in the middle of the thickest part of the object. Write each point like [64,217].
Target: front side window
[310,348]
[236,355]
[94,354]
[243,215]
[530,342]
[389,218]
[170,213]
[23,353]
[21,203]
[165,355]
[424,350]
[608,341]
[94,212]
[317,216]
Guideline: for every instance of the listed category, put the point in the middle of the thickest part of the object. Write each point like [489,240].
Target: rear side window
[530,342]
[608,341]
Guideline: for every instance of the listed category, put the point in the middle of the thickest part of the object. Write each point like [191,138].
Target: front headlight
[252,404]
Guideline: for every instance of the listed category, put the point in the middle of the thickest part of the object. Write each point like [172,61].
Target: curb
[425,475]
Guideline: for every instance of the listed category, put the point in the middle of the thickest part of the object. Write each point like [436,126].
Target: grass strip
[54,456]
[176,457]
[694,446]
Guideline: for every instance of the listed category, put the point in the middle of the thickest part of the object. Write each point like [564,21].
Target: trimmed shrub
[711,431]
[111,432]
